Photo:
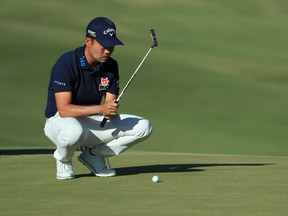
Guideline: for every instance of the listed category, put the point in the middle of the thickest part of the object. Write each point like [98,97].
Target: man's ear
[88,41]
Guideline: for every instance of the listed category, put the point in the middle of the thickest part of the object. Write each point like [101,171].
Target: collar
[84,64]
[81,58]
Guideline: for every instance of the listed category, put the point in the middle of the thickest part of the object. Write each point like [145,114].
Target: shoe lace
[66,165]
[108,162]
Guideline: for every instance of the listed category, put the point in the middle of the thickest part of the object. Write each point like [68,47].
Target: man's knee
[144,129]
[69,135]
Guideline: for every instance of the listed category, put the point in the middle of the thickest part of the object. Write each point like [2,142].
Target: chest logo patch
[104,84]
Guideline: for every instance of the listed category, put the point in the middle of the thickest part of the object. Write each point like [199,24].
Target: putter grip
[102,124]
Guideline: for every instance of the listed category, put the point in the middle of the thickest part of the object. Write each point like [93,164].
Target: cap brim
[109,43]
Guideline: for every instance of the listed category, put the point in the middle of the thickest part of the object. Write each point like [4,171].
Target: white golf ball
[155,178]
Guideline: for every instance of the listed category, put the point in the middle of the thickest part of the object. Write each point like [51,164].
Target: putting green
[190,184]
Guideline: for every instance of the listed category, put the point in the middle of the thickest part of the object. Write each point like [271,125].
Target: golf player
[83,88]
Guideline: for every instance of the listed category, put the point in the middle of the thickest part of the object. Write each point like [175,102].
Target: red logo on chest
[104,85]
[104,81]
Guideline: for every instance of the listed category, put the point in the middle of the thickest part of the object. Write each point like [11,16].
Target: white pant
[118,135]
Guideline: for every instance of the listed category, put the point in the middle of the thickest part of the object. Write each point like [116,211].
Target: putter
[154,44]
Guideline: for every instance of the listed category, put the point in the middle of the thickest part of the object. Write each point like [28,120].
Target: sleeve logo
[59,83]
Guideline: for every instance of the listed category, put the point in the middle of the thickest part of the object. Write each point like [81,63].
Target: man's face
[96,52]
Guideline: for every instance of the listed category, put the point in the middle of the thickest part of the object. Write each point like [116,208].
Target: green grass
[217,83]
[190,184]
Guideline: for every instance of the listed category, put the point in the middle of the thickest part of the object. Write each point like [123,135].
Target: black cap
[103,30]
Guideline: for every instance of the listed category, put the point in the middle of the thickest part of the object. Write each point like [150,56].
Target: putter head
[154,39]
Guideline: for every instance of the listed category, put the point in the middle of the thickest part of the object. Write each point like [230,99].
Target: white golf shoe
[96,164]
[64,170]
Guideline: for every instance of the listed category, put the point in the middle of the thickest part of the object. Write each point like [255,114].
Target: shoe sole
[65,178]
[92,170]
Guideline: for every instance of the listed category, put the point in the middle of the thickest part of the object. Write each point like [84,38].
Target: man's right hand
[110,109]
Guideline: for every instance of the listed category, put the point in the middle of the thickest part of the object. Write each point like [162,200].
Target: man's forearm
[77,111]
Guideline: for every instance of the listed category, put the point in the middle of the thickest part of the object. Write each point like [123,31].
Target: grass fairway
[190,184]
[217,83]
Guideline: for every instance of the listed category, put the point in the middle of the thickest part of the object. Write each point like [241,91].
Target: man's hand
[110,109]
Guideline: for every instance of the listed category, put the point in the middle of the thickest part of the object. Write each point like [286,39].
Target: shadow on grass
[26,151]
[169,168]
[166,168]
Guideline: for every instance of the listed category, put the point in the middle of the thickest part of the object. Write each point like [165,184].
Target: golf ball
[155,178]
